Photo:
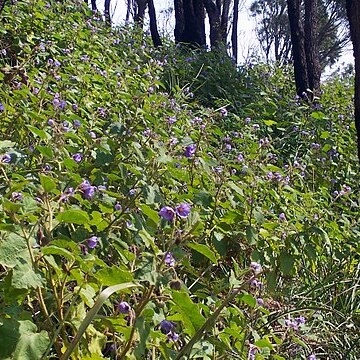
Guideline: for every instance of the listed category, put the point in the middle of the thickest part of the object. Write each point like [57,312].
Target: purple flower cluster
[182,210]
[169,259]
[87,189]
[295,323]
[190,150]
[167,327]
[66,194]
[16,196]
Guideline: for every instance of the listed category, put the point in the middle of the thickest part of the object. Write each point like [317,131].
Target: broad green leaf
[204,250]
[150,213]
[248,299]
[264,343]
[47,182]
[113,275]
[73,216]
[38,132]
[20,340]
[190,311]
[286,262]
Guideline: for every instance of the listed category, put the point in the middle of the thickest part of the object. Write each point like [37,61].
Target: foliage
[134,220]
[273,30]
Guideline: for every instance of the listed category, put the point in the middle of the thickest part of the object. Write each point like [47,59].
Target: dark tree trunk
[353,13]
[225,20]
[234,34]
[107,12]
[93,5]
[214,14]
[311,46]
[190,22]
[153,24]
[140,13]
[298,48]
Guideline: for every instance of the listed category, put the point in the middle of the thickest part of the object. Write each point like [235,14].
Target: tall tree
[311,44]
[153,24]
[218,13]
[107,11]
[298,46]
[353,13]
[190,22]
[273,30]
[234,32]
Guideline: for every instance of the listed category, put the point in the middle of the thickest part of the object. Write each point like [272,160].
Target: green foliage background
[273,180]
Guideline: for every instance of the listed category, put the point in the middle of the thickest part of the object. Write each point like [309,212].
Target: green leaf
[45,150]
[113,275]
[248,299]
[190,311]
[47,183]
[204,250]
[286,262]
[24,277]
[20,340]
[150,213]
[55,250]
[264,343]
[73,216]
[38,132]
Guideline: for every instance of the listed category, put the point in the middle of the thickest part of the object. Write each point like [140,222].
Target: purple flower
[124,307]
[223,112]
[92,242]
[282,217]
[260,302]
[169,259]
[190,150]
[167,213]
[300,320]
[256,267]
[167,326]
[77,157]
[117,207]
[92,134]
[172,336]
[311,357]
[183,210]
[5,159]
[16,196]
[76,123]
[51,122]
[66,194]
[87,189]
[2,107]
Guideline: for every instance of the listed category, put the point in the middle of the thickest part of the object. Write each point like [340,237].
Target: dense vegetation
[161,204]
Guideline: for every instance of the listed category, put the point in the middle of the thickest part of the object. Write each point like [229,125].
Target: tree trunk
[234,34]
[190,22]
[214,14]
[225,20]
[298,48]
[153,24]
[353,13]
[93,5]
[311,45]
[107,12]
[140,13]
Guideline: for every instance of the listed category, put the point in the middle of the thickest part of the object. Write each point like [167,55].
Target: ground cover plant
[153,209]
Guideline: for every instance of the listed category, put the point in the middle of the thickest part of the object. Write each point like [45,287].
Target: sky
[248,43]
